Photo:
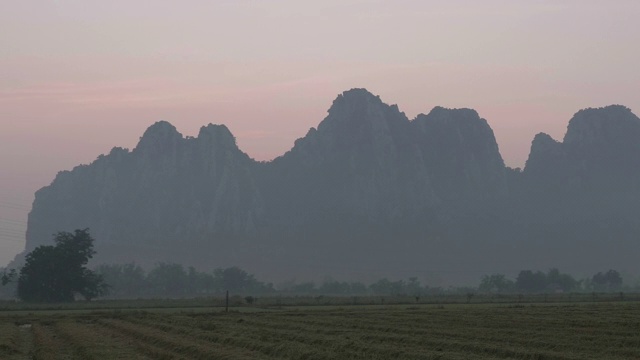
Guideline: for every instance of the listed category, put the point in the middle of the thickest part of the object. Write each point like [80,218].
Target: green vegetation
[173,280]
[59,273]
[167,280]
[529,282]
[505,331]
[56,273]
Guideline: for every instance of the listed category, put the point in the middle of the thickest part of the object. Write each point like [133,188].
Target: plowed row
[584,331]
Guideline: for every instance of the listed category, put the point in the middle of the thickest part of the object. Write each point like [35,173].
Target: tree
[8,277]
[237,280]
[386,287]
[413,286]
[530,282]
[559,281]
[496,283]
[168,279]
[609,281]
[125,281]
[56,273]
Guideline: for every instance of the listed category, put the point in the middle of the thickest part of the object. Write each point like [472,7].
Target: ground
[586,330]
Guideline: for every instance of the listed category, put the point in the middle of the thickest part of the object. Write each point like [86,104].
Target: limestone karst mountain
[168,195]
[367,194]
[581,196]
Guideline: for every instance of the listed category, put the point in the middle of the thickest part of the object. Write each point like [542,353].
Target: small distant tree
[239,281]
[304,288]
[496,283]
[559,281]
[386,287]
[125,280]
[531,282]
[609,281]
[358,288]
[168,279]
[333,287]
[382,287]
[413,287]
[7,277]
[56,273]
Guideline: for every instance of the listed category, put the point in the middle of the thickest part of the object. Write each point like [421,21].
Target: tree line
[553,281]
[59,273]
[170,280]
[174,280]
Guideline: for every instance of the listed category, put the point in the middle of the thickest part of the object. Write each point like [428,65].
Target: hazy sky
[78,77]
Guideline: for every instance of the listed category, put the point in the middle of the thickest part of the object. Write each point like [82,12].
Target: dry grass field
[453,331]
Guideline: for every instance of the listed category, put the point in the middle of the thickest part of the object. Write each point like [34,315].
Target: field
[605,330]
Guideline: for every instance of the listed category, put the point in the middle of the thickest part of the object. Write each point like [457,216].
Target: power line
[12,234]
[11,221]
[14,207]
[21,234]
[10,240]
[13,228]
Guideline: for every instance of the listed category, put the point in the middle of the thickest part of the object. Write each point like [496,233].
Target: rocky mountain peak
[159,137]
[442,118]
[217,135]
[601,126]
[440,113]
[461,131]
[462,152]
[357,108]
[543,142]
[359,123]
[367,183]
[545,153]
[354,98]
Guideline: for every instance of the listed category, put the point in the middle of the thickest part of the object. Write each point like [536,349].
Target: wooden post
[226,307]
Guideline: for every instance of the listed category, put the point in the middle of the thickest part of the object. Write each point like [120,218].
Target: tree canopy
[56,273]
[609,281]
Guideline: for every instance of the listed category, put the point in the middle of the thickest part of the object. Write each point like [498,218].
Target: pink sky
[78,77]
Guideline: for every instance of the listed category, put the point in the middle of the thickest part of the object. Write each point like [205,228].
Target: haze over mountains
[365,195]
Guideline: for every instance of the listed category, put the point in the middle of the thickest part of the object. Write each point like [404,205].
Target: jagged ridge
[367,179]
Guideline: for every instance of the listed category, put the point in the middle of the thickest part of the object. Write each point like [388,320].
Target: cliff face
[168,194]
[600,153]
[366,184]
[359,163]
[582,195]
[460,150]
[367,159]
[598,141]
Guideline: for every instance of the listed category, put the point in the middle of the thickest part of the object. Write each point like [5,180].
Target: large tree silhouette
[56,273]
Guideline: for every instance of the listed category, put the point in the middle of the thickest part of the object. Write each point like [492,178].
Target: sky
[79,77]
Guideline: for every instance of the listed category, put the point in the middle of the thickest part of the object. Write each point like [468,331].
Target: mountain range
[367,194]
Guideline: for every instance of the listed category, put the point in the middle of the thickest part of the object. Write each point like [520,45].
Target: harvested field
[493,331]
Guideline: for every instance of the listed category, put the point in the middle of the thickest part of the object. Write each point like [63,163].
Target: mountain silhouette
[367,194]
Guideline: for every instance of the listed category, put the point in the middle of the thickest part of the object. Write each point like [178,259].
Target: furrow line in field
[48,346]
[400,347]
[294,344]
[9,339]
[412,325]
[143,349]
[240,336]
[512,323]
[91,344]
[499,337]
[181,345]
[69,332]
